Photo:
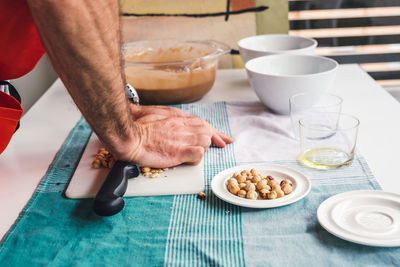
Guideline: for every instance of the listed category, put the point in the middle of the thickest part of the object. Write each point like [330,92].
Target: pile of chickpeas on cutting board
[105,159]
[253,185]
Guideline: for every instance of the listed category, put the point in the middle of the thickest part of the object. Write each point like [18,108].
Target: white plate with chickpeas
[260,185]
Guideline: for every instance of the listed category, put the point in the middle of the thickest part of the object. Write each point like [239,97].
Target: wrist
[135,111]
[127,148]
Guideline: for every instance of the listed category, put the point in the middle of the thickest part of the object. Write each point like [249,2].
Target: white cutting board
[86,182]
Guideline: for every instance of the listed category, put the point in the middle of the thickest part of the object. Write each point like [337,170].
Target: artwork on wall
[223,20]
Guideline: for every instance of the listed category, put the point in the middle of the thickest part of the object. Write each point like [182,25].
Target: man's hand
[161,112]
[169,137]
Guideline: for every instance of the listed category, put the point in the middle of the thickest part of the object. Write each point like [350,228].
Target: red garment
[20,46]
[10,113]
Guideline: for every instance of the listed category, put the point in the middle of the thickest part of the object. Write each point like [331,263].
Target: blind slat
[381,66]
[385,75]
[345,13]
[360,49]
[347,32]
[366,58]
[335,4]
[389,83]
[351,41]
[344,23]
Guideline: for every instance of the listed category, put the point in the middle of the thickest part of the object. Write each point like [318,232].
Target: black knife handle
[108,200]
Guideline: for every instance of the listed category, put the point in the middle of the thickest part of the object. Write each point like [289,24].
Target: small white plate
[301,185]
[365,217]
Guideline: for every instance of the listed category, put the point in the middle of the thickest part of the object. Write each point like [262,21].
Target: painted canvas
[223,20]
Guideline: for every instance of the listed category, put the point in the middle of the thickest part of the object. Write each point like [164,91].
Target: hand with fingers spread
[169,137]
[149,113]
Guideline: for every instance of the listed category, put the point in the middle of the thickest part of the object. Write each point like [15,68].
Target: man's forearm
[83,42]
[82,39]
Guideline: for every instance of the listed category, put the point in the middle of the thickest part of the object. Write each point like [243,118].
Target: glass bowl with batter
[172,71]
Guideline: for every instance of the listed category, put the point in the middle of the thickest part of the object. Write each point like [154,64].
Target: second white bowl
[276,78]
[269,44]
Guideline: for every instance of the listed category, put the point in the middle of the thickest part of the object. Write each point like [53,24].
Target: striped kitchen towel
[182,230]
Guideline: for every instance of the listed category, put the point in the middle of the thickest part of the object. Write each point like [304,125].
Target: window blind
[366,32]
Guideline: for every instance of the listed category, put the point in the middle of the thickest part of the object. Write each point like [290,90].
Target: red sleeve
[20,46]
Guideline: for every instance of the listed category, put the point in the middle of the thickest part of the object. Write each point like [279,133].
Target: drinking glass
[328,140]
[306,105]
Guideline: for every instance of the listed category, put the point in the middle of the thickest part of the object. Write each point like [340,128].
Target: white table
[45,127]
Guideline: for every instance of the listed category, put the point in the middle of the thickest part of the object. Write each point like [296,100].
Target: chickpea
[286,181]
[146,169]
[252,195]
[242,193]
[254,172]
[155,175]
[96,164]
[147,174]
[256,179]
[103,158]
[103,152]
[242,185]
[202,195]
[279,193]
[287,189]
[273,183]
[246,174]
[235,175]
[264,193]
[276,187]
[272,195]
[241,178]
[248,182]
[233,181]
[262,184]
[250,187]
[233,188]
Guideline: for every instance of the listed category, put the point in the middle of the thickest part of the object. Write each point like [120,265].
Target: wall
[34,84]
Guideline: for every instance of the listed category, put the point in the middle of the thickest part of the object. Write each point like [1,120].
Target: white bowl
[276,78]
[270,44]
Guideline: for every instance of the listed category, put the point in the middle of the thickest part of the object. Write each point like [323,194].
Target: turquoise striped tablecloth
[183,230]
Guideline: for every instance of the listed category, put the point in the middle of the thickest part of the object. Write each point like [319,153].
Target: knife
[108,200]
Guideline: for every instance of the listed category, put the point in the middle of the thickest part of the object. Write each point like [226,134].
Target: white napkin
[259,134]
